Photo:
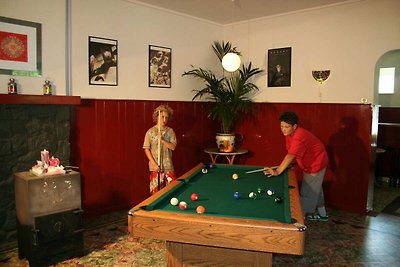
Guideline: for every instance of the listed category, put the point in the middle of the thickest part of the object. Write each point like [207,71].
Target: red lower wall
[107,138]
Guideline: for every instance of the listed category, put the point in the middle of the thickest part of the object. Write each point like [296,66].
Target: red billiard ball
[182,205]
[200,209]
[194,197]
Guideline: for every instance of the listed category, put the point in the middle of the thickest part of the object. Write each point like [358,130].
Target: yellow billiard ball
[235,176]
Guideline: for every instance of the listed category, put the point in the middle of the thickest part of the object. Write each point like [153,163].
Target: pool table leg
[130,223]
[180,254]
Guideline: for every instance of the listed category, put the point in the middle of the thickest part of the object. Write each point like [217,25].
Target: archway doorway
[384,185]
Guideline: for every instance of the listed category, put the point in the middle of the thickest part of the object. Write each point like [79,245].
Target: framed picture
[159,66]
[279,67]
[20,47]
[103,61]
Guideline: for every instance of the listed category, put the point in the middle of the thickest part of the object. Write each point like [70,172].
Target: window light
[386,80]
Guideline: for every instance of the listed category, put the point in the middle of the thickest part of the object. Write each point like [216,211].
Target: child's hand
[270,172]
[155,166]
[160,136]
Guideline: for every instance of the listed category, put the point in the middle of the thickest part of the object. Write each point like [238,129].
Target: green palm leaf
[230,96]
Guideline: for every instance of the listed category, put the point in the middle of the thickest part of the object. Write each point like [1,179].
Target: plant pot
[225,142]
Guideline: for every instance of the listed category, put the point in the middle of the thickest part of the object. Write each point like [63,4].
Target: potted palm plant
[229,96]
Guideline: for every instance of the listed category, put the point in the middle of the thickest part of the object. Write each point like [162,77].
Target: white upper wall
[136,27]
[347,38]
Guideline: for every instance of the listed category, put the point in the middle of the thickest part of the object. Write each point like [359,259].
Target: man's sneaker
[317,218]
[323,218]
[312,218]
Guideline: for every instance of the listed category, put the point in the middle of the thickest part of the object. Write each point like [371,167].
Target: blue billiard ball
[236,195]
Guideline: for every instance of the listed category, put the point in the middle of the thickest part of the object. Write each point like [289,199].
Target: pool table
[232,231]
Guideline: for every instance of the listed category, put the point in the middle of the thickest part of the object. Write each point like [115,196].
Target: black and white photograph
[103,61]
[159,66]
[279,67]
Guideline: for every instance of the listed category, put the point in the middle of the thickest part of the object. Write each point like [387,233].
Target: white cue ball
[270,192]
[174,201]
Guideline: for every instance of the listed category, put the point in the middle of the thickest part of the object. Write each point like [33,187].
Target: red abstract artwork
[13,46]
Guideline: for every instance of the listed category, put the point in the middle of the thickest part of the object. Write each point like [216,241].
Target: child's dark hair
[289,117]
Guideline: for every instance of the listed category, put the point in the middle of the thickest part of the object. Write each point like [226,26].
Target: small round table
[230,156]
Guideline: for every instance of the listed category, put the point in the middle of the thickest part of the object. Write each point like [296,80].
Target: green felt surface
[216,189]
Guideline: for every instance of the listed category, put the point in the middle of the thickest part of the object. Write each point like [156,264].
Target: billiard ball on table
[194,196]
[235,176]
[270,192]
[236,195]
[252,195]
[182,205]
[200,209]
[174,201]
[278,199]
[204,170]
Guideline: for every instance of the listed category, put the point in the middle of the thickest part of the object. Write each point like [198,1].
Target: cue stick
[159,150]
[258,170]
[263,169]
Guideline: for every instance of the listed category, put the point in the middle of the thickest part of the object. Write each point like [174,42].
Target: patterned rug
[346,240]
[106,244]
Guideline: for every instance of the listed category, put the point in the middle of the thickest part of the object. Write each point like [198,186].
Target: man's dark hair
[289,117]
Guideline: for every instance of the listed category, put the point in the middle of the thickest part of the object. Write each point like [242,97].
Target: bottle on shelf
[47,88]
[12,86]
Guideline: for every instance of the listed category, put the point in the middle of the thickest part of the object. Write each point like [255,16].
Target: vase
[225,142]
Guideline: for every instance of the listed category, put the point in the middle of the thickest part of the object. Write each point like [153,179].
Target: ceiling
[231,11]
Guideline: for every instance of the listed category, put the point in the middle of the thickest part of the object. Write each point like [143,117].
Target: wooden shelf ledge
[39,99]
[393,124]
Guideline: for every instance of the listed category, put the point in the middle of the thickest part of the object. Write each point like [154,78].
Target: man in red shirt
[311,156]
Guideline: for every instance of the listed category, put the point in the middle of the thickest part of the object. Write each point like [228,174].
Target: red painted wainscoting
[107,138]
[106,143]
